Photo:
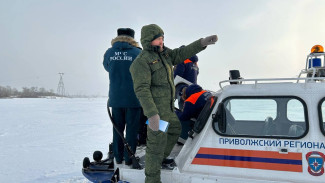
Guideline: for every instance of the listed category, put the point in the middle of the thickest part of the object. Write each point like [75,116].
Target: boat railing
[271,80]
[314,71]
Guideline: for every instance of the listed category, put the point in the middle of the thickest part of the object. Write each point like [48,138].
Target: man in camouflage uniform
[152,74]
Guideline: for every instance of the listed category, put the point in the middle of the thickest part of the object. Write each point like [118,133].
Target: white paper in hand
[163,125]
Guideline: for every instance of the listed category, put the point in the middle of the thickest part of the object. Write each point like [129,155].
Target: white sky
[40,38]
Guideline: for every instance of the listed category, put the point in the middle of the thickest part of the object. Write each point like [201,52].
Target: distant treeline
[32,92]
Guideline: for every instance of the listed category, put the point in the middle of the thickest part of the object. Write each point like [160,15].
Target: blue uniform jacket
[117,61]
[188,69]
[194,104]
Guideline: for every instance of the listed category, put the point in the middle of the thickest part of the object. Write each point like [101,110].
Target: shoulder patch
[154,62]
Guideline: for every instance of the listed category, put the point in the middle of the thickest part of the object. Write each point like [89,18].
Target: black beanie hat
[157,36]
[125,32]
[194,58]
[193,88]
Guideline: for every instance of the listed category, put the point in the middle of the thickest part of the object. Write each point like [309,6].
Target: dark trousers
[178,90]
[186,127]
[142,133]
[129,118]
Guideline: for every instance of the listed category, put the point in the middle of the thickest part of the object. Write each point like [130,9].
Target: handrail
[256,81]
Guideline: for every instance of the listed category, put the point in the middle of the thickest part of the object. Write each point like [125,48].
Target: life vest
[187,61]
[193,98]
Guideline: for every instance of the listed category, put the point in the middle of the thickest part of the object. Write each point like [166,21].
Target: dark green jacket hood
[148,33]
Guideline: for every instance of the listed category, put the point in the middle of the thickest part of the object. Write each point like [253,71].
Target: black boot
[168,164]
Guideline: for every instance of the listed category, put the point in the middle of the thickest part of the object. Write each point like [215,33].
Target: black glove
[209,40]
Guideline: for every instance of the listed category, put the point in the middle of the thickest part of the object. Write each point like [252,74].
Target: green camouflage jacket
[152,72]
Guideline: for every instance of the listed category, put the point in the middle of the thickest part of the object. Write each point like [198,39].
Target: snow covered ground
[45,140]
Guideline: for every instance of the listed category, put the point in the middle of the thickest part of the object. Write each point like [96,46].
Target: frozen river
[45,140]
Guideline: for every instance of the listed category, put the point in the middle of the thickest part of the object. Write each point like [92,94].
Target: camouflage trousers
[159,146]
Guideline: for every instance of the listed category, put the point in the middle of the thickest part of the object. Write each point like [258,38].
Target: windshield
[265,117]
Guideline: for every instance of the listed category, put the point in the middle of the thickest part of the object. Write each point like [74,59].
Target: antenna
[60,91]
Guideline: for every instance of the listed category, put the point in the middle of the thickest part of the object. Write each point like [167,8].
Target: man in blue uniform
[126,108]
[188,70]
[195,98]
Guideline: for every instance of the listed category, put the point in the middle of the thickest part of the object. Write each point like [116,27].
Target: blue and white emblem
[315,161]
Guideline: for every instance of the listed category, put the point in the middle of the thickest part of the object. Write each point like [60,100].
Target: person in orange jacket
[194,100]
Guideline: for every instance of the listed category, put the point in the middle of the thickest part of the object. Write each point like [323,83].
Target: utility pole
[60,91]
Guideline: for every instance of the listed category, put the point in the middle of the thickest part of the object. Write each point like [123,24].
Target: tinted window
[322,115]
[264,117]
[252,109]
[295,111]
